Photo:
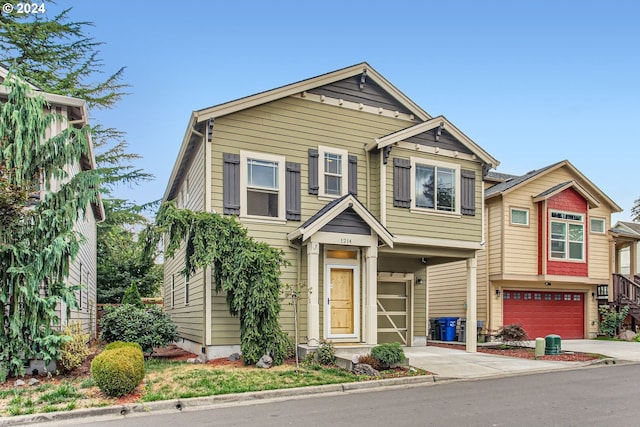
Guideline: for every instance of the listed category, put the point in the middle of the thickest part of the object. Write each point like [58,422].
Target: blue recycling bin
[448,328]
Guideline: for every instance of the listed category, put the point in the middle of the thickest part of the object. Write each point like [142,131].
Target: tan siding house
[548,248]
[360,187]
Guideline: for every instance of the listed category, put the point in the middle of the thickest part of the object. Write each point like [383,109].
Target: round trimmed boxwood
[118,371]
[122,344]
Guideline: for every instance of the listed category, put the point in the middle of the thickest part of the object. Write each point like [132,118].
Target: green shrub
[326,353]
[149,327]
[637,338]
[370,360]
[513,333]
[612,320]
[388,354]
[118,371]
[122,344]
[132,296]
[73,351]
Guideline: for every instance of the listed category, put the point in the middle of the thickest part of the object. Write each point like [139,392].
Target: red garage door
[544,313]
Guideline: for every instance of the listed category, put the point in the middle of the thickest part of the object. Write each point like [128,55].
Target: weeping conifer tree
[37,243]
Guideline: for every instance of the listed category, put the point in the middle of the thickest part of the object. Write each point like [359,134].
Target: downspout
[207,141]
[367,175]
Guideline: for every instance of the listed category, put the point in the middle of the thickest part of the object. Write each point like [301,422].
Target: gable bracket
[439,131]
[485,170]
[363,78]
[209,130]
[385,153]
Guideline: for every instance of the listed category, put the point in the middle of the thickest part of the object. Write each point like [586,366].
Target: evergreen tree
[36,249]
[132,296]
[635,210]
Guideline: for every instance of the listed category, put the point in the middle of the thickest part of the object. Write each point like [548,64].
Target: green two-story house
[359,186]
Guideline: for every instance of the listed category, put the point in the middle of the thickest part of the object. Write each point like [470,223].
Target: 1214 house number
[345,240]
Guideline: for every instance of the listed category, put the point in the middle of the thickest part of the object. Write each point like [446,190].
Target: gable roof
[556,189]
[334,208]
[629,227]
[433,123]
[510,184]
[198,119]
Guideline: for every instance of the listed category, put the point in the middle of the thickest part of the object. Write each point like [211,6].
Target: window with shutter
[313,171]
[262,185]
[435,186]
[353,175]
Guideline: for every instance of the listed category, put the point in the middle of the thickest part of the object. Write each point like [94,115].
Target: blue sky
[532,82]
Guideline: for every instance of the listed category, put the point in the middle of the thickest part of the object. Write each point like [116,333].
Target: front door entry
[341,302]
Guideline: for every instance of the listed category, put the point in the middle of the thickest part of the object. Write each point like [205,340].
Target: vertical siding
[598,248]
[494,229]
[189,318]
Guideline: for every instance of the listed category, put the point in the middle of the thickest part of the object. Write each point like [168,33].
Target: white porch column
[472,295]
[371,303]
[313,287]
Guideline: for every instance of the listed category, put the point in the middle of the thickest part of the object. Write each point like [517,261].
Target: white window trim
[244,156]
[322,150]
[517,224]
[604,225]
[436,163]
[567,241]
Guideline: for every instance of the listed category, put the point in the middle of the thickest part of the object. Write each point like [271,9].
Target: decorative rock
[265,362]
[18,383]
[194,360]
[234,357]
[355,358]
[627,335]
[33,381]
[365,369]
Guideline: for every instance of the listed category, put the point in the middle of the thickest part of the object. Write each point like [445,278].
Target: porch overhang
[330,211]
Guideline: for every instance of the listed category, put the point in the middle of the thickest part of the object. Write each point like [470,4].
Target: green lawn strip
[166,380]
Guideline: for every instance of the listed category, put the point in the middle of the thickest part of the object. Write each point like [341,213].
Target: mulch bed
[524,353]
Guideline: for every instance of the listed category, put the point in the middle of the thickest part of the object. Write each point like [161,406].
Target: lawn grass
[168,380]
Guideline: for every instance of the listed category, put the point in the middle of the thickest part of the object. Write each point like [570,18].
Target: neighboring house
[83,270]
[360,187]
[548,252]
[626,282]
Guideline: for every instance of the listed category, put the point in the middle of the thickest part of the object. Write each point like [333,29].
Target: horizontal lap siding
[401,221]
[289,127]
[189,318]
[86,313]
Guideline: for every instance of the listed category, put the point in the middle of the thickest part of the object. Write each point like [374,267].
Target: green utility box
[552,344]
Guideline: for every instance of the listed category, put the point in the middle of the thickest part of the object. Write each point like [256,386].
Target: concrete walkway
[621,350]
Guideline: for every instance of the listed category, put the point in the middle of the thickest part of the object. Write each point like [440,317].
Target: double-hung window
[333,171]
[262,185]
[435,186]
[566,236]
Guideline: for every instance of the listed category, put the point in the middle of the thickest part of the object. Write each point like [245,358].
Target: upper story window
[566,236]
[519,216]
[262,185]
[597,225]
[435,186]
[333,167]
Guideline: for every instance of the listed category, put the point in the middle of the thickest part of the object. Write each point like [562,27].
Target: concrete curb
[199,402]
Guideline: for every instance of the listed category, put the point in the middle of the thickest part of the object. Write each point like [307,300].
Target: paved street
[594,396]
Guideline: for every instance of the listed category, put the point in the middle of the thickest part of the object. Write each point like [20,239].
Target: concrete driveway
[621,350]
[459,364]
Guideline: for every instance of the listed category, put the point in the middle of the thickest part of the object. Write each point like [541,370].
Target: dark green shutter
[468,192]
[353,175]
[231,183]
[292,191]
[401,183]
[313,171]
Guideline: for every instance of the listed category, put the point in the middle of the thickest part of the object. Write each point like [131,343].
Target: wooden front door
[341,305]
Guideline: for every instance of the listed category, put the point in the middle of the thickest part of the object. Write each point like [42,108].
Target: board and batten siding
[598,245]
[289,127]
[402,221]
[189,318]
[494,230]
